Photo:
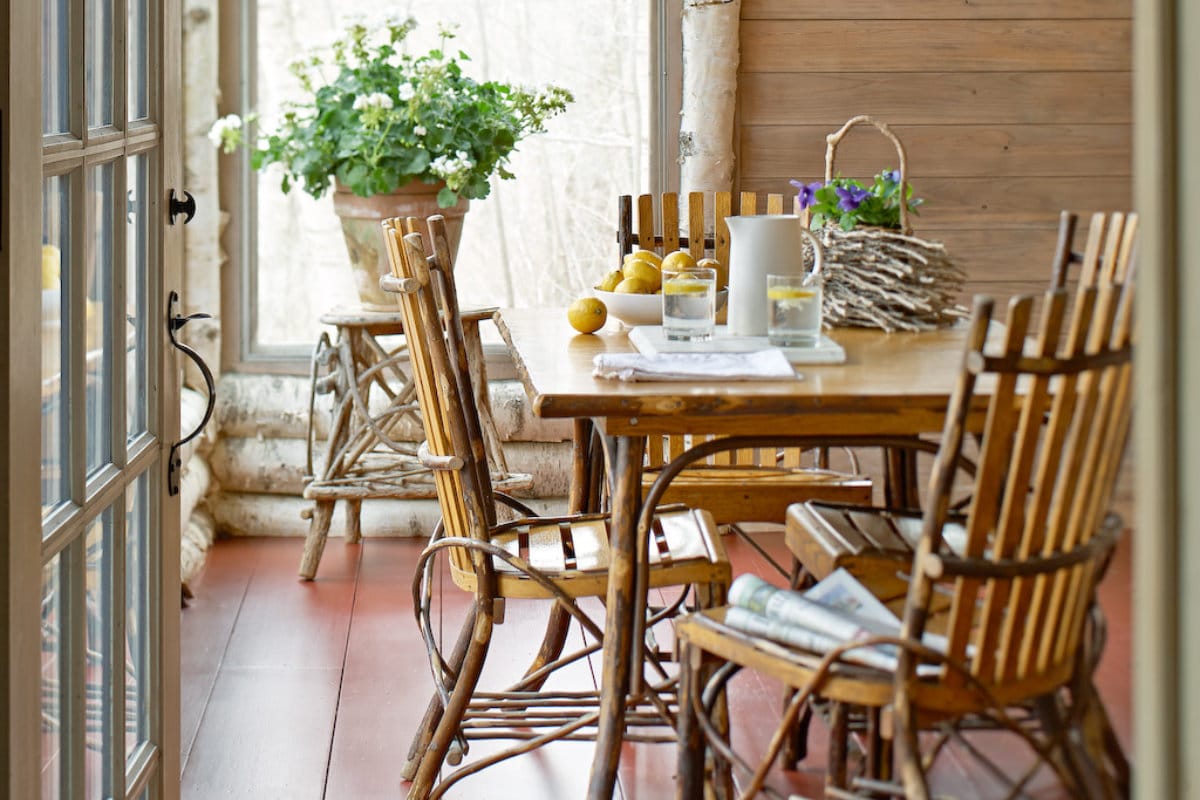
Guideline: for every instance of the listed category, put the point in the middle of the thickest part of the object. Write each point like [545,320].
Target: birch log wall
[1011,110]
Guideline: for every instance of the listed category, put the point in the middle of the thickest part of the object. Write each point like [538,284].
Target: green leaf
[447,197]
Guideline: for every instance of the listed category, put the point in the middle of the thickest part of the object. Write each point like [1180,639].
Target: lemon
[678,260]
[721,269]
[51,266]
[634,286]
[790,293]
[645,255]
[645,271]
[587,315]
[610,281]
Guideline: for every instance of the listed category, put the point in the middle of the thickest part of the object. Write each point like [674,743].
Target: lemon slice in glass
[790,293]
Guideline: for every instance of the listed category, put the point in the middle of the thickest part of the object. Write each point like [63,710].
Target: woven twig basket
[883,278]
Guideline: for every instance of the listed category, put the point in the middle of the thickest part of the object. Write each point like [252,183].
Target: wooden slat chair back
[557,558]
[1010,584]
[744,484]
[1108,254]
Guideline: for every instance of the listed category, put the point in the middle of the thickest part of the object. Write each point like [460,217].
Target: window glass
[54,675]
[139,79]
[98,344]
[99,16]
[137,619]
[137,245]
[98,659]
[56,257]
[543,238]
[56,77]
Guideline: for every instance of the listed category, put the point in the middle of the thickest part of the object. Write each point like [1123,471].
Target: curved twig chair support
[556,559]
[1013,597]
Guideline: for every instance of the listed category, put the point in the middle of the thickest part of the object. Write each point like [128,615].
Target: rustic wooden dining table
[891,384]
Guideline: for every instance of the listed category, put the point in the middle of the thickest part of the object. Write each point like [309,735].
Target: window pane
[137,246]
[99,662]
[542,238]
[137,619]
[99,280]
[56,253]
[53,680]
[56,77]
[99,48]
[139,78]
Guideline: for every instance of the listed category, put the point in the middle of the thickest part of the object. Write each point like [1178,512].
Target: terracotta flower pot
[360,218]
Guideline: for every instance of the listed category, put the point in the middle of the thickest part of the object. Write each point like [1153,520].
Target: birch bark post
[710,63]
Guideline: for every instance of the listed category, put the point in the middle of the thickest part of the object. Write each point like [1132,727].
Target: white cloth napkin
[757,366]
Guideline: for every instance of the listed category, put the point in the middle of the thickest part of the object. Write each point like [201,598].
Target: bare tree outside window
[540,239]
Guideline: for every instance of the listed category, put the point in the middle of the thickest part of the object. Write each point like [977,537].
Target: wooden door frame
[1166,601]
[21,165]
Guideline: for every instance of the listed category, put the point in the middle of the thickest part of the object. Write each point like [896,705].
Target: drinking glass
[794,310]
[689,304]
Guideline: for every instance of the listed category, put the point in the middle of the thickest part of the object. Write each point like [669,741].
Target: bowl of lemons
[633,294]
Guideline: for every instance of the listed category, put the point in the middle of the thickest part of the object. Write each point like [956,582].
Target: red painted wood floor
[312,690]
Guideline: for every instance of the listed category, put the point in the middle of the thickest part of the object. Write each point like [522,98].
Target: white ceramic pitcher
[761,245]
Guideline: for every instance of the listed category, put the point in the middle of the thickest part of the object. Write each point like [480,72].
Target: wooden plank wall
[1010,110]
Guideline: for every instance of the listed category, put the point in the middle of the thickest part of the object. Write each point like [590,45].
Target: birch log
[710,63]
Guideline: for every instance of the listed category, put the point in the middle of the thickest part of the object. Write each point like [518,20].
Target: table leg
[626,479]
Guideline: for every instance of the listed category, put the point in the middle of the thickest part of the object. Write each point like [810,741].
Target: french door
[92,556]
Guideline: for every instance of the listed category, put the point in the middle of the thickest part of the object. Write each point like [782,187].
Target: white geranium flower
[406,92]
[226,132]
[373,100]
[419,130]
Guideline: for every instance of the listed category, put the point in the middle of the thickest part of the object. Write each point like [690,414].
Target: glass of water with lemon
[689,307]
[794,310]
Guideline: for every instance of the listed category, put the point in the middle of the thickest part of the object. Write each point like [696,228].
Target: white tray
[649,339]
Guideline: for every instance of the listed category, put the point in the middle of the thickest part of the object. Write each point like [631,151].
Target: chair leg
[690,751]
[479,634]
[353,521]
[314,543]
[555,638]
[795,746]
[839,729]
[433,712]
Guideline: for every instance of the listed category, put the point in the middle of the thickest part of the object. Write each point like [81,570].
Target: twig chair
[560,559]
[1012,597]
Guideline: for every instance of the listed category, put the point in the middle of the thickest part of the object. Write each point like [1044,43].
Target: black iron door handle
[174,323]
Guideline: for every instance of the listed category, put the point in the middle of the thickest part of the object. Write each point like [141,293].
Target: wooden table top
[902,381]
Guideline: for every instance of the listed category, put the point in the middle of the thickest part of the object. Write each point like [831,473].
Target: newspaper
[835,611]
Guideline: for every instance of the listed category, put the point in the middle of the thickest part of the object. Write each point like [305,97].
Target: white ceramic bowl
[640,309]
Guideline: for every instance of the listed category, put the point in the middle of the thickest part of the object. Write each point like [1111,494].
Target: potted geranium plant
[394,134]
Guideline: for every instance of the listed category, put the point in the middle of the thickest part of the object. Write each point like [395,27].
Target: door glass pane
[137,246]
[56,77]
[138,76]
[99,280]
[99,15]
[137,616]
[53,675]
[56,252]
[99,663]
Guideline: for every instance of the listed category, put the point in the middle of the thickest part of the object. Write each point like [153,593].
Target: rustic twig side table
[371,451]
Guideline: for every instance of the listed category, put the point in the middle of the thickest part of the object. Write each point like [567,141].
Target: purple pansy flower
[808,192]
[851,197]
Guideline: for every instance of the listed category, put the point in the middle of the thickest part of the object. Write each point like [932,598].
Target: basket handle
[834,139]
